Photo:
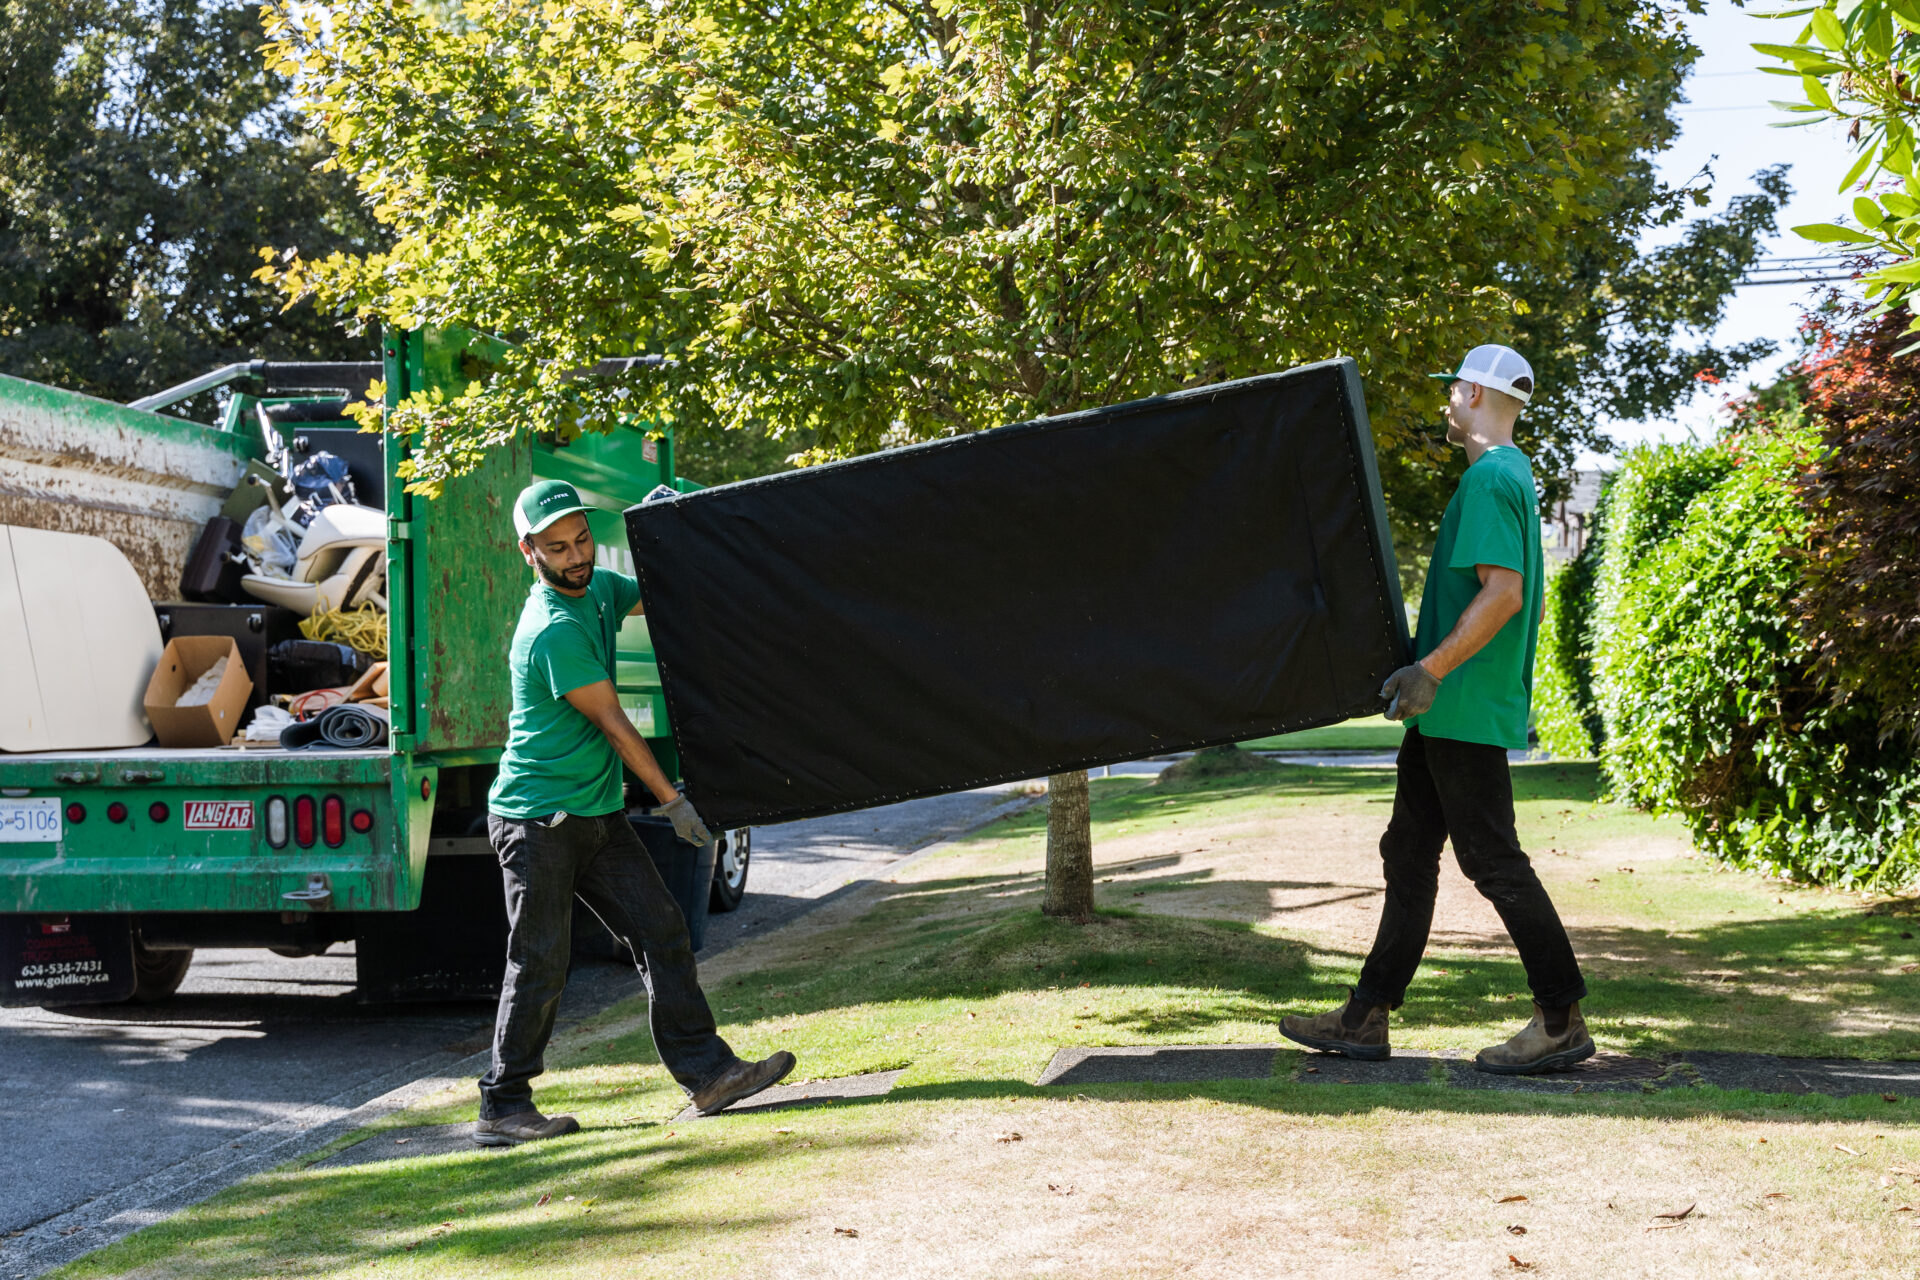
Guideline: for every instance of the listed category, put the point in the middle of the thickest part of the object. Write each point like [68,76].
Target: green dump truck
[115,864]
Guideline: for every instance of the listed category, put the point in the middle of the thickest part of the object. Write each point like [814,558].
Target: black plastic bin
[687,869]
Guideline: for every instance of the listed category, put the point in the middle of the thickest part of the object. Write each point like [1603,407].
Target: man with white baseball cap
[557,819]
[1466,702]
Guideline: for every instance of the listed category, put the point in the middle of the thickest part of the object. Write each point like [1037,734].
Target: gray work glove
[1411,689]
[686,823]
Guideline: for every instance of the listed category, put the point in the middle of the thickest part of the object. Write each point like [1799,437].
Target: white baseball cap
[1501,368]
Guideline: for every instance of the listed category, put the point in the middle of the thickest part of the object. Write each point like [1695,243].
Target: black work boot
[741,1080]
[521,1126]
[1357,1031]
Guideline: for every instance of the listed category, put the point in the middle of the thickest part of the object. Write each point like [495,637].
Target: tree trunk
[1069,848]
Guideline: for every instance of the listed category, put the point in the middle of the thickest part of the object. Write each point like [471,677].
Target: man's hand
[686,823]
[1411,690]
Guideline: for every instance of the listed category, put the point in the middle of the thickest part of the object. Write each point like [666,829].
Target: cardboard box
[184,660]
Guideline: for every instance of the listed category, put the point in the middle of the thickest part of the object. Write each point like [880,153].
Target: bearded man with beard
[557,819]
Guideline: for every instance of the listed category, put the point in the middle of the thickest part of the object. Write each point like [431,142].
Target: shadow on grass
[1824,982]
[434,1212]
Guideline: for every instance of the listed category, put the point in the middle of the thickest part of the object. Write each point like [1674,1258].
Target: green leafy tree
[872,222]
[1855,60]
[146,155]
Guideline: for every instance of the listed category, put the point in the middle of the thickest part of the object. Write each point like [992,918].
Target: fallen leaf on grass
[1516,1230]
[846,1231]
[1840,1146]
[1909,968]
[1059,1190]
[1677,1215]
[1518,1265]
[545,1198]
[1665,1226]
[72,1231]
[1889,1097]
[1776,1195]
[1906,1208]
[1006,1137]
[1512,1200]
[398,1141]
[1903,1171]
[1313,1071]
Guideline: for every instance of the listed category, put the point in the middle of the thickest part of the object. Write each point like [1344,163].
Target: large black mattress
[1198,568]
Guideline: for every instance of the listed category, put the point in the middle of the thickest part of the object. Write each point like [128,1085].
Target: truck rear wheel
[157,974]
[730,869]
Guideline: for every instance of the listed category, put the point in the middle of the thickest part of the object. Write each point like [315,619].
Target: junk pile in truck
[279,613]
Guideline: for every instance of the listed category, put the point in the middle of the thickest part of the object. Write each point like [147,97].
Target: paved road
[117,1115]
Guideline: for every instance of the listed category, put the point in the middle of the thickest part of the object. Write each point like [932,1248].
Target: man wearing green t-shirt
[1466,702]
[557,819]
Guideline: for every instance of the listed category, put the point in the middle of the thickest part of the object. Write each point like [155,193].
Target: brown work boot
[521,1126]
[1534,1051]
[741,1080]
[1355,1032]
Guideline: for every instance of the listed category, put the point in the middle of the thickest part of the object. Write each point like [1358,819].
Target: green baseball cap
[543,502]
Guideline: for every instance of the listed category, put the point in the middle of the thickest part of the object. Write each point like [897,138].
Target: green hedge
[1644,503]
[1641,504]
[1702,680]
[1563,713]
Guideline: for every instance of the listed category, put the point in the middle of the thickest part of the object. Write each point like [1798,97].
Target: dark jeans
[603,861]
[1463,790]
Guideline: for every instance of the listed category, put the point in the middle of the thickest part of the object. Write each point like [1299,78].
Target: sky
[1725,123]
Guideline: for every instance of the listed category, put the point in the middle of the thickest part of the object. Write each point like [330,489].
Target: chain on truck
[252,692]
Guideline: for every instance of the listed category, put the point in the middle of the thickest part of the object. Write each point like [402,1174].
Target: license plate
[32,820]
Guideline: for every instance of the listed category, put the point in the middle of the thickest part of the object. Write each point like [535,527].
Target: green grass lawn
[1225,904]
[1369,733]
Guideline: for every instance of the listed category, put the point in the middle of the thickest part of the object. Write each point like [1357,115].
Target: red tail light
[333,822]
[303,821]
[116,812]
[362,821]
[158,811]
[76,812]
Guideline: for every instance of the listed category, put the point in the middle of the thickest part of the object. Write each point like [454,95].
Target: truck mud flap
[56,960]
[454,947]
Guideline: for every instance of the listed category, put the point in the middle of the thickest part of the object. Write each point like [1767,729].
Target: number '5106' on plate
[34,819]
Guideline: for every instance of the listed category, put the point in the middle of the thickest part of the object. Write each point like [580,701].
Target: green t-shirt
[556,759]
[1494,518]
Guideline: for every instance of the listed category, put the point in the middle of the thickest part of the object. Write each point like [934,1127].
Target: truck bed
[123,756]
